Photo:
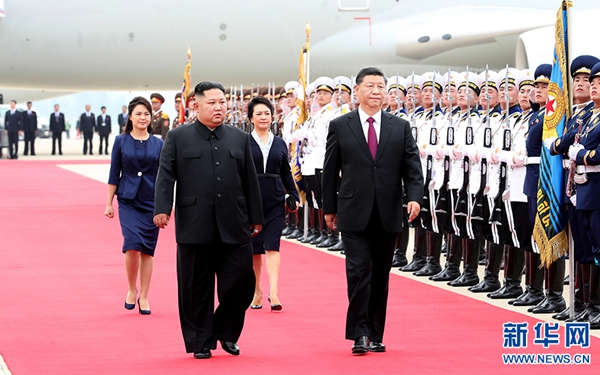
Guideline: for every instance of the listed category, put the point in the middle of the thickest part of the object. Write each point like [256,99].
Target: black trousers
[369,256]
[29,142]
[13,144]
[87,138]
[202,326]
[103,137]
[56,137]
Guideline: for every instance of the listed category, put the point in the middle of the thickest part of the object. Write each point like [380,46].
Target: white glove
[423,151]
[504,156]
[574,200]
[447,150]
[430,150]
[494,155]
[574,150]
[518,160]
[457,152]
[548,142]
[484,153]
[439,152]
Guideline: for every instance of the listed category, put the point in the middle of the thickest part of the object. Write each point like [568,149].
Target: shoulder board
[494,114]
[164,115]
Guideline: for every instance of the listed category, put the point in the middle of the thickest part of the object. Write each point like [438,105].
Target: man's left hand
[255,229]
[413,209]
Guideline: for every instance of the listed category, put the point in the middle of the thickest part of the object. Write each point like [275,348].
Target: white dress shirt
[365,124]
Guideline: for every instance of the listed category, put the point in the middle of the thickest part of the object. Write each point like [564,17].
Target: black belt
[273,175]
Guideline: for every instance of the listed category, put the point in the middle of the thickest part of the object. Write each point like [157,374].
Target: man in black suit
[13,127]
[57,127]
[370,155]
[217,209]
[122,119]
[103,128]
[87,125]
[29,121]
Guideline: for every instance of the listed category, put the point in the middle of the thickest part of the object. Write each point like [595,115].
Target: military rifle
[477,211]
[462,203]
[441,205]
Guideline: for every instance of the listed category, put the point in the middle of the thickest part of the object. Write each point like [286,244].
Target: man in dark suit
[122,119]
[217,209]
[370,155]
[87,125]
[29,121]
[13,127]
[103,128]
[57,127]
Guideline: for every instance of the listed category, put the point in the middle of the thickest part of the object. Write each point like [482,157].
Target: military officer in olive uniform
[160,120]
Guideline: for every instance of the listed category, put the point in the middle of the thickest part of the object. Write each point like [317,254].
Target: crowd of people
[455,156]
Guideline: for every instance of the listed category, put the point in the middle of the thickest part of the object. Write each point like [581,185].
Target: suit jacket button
[139,174]
[375,167]
[218,178]
[218,195]
[217,163]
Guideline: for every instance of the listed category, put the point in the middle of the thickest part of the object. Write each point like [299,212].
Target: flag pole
[567,4]
[307,76]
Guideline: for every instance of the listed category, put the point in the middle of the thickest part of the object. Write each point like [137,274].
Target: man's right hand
[161,220]
[331,220]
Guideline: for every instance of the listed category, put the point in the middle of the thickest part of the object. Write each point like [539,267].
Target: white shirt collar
[365,125]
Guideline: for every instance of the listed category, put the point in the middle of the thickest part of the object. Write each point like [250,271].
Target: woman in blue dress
[270,155]
[133,167]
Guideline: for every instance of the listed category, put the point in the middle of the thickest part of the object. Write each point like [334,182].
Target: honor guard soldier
[413,93]
[446,170]
[509,212]
[552,301]
[465,123]
[450,90]
[488,103]
[586,268]
[288,106]
[396,90]
[428,125]
[160,120]
[314,157]
[586,155]
[178,108]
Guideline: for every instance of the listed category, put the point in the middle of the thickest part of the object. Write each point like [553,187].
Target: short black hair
[103,107]
[205,86]
[13,101]
[29,102]
[370,71]
[256,101]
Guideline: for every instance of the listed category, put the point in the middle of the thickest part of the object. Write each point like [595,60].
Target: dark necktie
[372,139]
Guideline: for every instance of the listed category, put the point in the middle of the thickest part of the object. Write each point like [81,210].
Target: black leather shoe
[414,265]
[595,322]
[429,269]
[287,231]
[530,299]
[297,233]
[507,292]
[399,260]
[203,354]
[486,286]
[566,313]
[361,345]
[230,347]
[328,242]
[552,305]
[450,273]
[468,278]
[376,347]
[129,306]
[339,246]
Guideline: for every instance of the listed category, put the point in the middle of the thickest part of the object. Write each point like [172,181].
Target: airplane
[55,47]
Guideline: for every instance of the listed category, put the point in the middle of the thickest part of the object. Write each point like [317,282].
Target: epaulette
[494,114]
[164,115]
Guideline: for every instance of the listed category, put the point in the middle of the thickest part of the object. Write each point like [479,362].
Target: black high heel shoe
[143,312]
[275,307]
[129,306]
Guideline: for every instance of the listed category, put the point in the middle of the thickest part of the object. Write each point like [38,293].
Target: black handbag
[290,202]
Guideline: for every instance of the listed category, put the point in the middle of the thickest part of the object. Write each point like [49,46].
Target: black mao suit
[369,207]
[29,128]
[218,197]
[57,127]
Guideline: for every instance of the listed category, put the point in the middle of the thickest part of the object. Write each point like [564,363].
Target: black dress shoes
[376,347]
[361,345]
[399,259]
[129,306]
[203,354]
[230,347]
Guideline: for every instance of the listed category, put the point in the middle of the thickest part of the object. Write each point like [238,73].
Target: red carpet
[62,287]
